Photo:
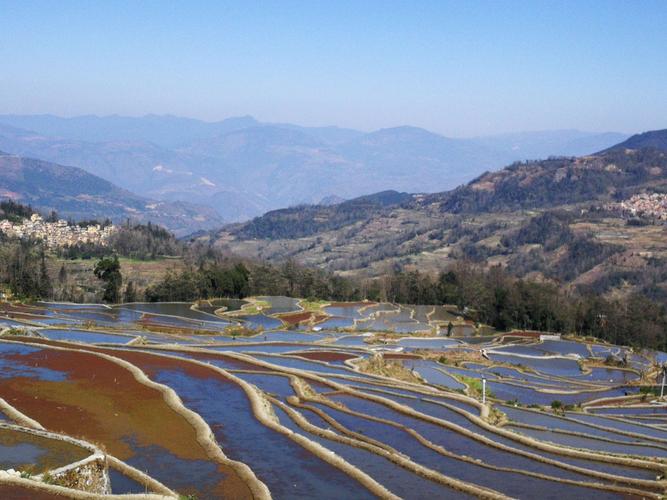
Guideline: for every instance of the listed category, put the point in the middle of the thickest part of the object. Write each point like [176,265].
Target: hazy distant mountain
[556,220]
[75,193]
[656,139]
[329,135]
[611,175]
[165,130]
[243,168]
[414,159]
[142,167]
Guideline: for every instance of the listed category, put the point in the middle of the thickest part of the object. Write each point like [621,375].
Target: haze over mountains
[75,193]
[242,167]
[561,219]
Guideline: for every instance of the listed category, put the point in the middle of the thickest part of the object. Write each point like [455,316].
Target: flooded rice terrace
[274,397]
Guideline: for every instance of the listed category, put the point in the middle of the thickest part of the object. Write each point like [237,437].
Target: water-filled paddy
[121,484]
[512,484]
[583,442]
[290,473]
[180,309]
[260,321]
[428,343]
[550,366]
[87,337]
[431,372]
[28,452]
[279,305]
[90,390]
[94,398]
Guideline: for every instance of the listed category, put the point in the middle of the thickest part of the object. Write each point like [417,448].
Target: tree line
[489,296]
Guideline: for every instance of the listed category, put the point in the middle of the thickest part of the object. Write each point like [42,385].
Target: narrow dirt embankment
[306,394]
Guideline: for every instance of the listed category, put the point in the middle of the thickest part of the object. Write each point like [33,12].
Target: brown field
[325,355]
[296,318]
[398,355]
[12,492]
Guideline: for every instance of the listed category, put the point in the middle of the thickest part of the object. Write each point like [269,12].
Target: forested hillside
[558,220]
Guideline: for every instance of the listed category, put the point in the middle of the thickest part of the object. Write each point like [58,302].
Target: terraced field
[274,397]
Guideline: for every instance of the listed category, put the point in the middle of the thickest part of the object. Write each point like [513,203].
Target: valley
[333,250]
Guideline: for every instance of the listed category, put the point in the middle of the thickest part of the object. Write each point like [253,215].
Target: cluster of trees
[144,241]
[24,269]
[496,298]
[135,241]
[231,278]
[14,212]
[550,229]
[107,269]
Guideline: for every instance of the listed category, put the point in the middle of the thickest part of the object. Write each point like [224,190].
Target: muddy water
[102,402]
[31,453]
[286,468]
[8,492]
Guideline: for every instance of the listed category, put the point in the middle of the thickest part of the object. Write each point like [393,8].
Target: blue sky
[460,68]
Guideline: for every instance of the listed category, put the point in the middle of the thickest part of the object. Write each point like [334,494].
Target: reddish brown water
[103,403]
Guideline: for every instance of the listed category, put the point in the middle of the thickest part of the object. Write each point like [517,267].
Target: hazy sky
[459,68]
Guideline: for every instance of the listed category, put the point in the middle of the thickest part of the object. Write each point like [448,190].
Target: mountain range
[74,193]
[241,167]
[551,219]
[558,219]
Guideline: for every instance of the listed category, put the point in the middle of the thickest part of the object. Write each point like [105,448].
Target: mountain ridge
[75,193]
[565,220]
[179,159]
[656,139]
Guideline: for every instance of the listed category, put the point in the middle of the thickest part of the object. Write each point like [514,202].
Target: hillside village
[645,205]
[56,234]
